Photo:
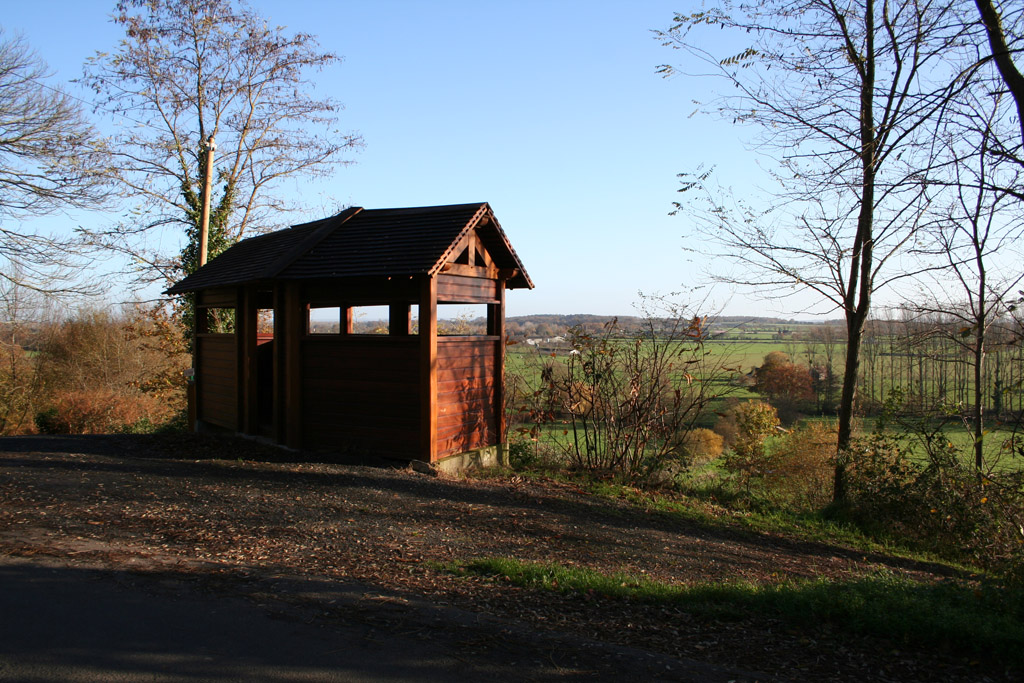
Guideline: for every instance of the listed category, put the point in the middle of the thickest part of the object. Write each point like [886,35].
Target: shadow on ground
[63,623]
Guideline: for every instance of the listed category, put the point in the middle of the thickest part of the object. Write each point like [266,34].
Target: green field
[742,349]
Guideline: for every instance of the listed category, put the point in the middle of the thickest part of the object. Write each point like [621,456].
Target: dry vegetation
[93,373]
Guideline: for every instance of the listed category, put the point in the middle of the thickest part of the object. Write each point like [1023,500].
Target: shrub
[533,396]
[99,411]
[978,517]
[700,446]
[20,389]
[133,354]
[628,395]
[879,479]
[755,422]
[801,467]
[946,505]
[725,425]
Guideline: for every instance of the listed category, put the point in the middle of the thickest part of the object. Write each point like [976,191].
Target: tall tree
[189,69]
[842,94]
[48,162]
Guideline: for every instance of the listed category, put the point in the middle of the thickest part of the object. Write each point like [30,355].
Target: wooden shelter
[267,364]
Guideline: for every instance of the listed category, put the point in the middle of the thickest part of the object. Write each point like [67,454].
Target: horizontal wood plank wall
[361,396]
[361,292]
[467,290]
[218,298]
[466,383]
[217,388]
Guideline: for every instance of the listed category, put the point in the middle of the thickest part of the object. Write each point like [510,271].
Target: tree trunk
[981,324]
[851,369]
[1001,54]
[857,299]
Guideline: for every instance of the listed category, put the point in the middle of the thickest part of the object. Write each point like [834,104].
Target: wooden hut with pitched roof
[410,393]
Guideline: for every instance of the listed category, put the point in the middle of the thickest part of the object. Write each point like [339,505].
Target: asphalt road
[59,622]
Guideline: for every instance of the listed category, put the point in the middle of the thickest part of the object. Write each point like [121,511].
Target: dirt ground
[218,511]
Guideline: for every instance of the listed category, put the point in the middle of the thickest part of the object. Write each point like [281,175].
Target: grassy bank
[968,618]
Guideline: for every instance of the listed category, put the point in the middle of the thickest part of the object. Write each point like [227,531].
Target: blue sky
[551,111]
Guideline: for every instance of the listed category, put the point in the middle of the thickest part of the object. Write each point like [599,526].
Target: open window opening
[325,320]
[371,320]
[216,320]
[264,323]
[461,320]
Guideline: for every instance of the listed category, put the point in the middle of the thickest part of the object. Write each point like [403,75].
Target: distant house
[313,382]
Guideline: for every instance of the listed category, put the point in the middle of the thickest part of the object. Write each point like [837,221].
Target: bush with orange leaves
[97,411]
[700,446]
[105,373]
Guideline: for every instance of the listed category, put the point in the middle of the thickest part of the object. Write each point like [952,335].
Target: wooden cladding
[361,292]
[361,395]
[218,298]
[217,387]
[468,415]
[469,290]
[400,395]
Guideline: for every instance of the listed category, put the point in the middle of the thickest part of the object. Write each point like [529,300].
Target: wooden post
[496,327]
[346,319]
[245,327]
[204,220]
[280,351]
[296,320]
[399,320]
[428,369]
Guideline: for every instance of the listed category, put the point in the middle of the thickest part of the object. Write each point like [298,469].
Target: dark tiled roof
[386,242]
[359,243]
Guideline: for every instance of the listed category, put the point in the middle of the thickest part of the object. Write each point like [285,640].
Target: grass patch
[717,504]
[807,526]
[984,621]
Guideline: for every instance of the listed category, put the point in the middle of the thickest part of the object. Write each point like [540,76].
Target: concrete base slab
[489,456]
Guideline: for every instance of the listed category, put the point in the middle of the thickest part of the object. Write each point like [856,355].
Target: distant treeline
[552,325]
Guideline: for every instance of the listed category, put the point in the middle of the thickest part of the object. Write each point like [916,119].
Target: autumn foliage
[787,386]
[97,411]
[102,372]
[755,422]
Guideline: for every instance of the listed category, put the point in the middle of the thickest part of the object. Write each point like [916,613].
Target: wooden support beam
[245,330]
[428,369]
[346,320]
[280,322]
[295,325]
[399,320]
[496,327]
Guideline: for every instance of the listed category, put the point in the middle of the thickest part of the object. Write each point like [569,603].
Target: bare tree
[843,95]
[24,319]
[979,240]
[190,69]
[48,163]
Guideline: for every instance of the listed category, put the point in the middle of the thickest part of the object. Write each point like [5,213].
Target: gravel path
[219,514]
